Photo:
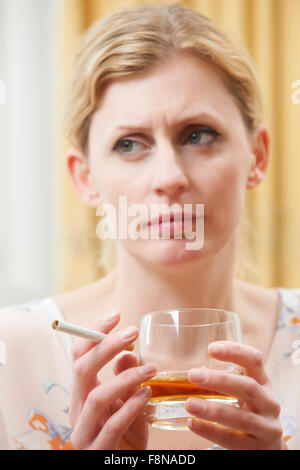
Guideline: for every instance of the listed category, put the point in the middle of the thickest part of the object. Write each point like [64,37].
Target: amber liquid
[174,388]
[166,406]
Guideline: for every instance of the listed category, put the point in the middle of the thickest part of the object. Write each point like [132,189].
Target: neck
[207,282]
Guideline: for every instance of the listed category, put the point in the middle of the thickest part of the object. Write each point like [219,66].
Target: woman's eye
[127,145]
[199,136]
[202,136]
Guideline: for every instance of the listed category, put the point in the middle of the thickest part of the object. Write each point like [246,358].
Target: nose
[169,177]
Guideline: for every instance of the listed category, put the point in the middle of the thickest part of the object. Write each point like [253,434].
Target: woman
[163,109]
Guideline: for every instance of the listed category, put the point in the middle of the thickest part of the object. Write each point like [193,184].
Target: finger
[245,356]
[140,425]
[114,429]
[245,388]
[104,324]
[91,362]
[86,368]
[222,436]
[80,389]
[123,362]
[116,405]
[102,397]
[242,420]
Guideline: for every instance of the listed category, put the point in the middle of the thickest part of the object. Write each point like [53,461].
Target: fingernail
[145,392]
[128,333]
[217,348]
[110,316]
[199,375]
[196,406]
[149,369]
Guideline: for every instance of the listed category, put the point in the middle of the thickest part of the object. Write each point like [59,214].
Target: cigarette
[75,330]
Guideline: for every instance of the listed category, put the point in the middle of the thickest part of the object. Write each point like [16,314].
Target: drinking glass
[177,341]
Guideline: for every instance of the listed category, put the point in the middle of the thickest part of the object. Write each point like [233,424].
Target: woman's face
[175,135]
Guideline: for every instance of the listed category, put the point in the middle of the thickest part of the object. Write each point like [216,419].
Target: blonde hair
[132,41]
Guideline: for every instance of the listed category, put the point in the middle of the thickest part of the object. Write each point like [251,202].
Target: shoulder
[285,301]
[259,297]
[290,298]
[290,307]
[35,367]
[22,311]
[30,343]
[23,323]
[24,335]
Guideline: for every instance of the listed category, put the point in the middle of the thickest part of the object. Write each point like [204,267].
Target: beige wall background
[271,256]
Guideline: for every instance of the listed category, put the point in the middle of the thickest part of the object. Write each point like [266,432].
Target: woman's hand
[255,425]
[108,415]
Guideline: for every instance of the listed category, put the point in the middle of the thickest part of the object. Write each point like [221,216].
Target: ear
[260,144]
[77,166]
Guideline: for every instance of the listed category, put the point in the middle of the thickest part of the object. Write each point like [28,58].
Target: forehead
[181,85]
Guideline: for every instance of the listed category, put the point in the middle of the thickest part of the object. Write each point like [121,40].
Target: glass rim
[233,316]
[165,325]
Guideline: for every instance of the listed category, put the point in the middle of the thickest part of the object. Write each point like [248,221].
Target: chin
[170,252]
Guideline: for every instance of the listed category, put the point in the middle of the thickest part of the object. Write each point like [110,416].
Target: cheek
[223,191]
[109,186]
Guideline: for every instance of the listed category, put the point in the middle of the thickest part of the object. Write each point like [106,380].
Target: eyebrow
[210,118]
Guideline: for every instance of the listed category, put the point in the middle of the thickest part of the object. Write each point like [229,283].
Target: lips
[166,218]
